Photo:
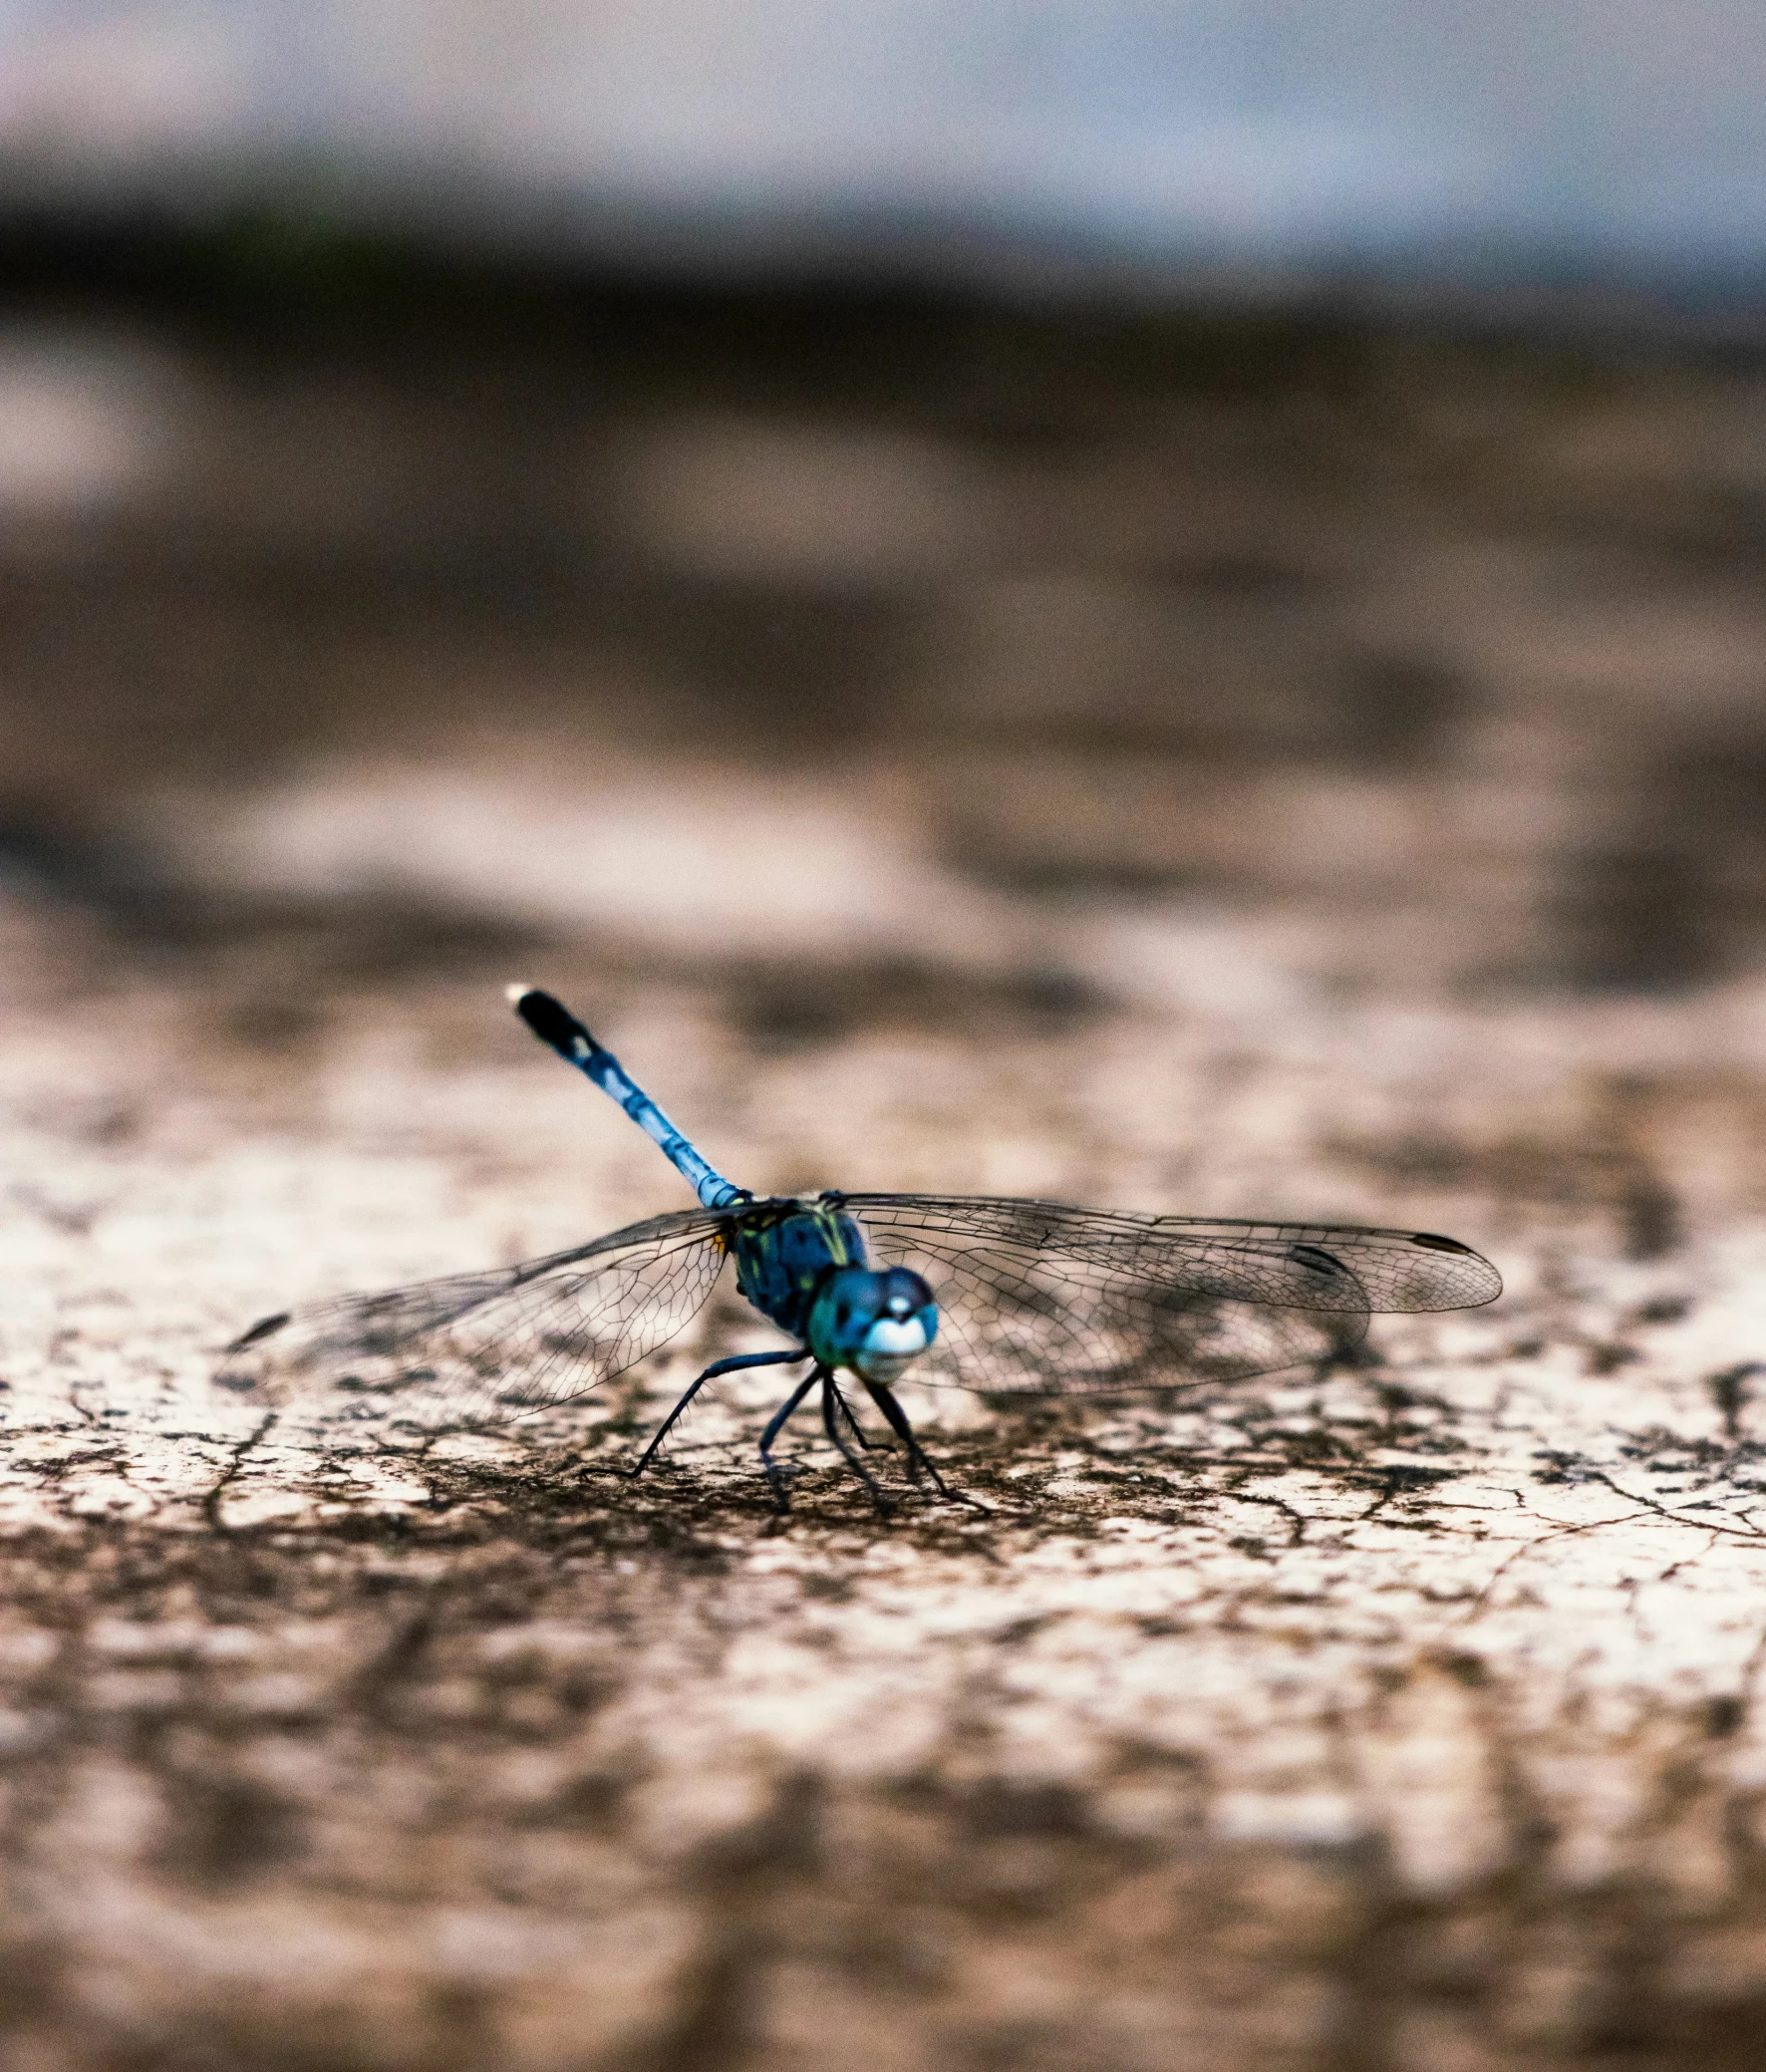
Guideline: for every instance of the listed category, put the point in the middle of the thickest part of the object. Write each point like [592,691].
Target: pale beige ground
[1402,1718]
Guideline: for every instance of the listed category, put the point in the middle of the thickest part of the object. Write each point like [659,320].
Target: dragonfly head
[876,1324]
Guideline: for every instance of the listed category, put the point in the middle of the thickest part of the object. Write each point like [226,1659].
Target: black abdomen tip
[552,1021]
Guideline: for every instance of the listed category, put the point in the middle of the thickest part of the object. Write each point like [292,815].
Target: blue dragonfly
[1002,1295]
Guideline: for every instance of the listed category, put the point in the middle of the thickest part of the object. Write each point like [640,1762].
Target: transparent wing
[1038,1298]
[480,1347]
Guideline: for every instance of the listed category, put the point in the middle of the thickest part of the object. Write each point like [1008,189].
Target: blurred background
[989,510]
[1163,604]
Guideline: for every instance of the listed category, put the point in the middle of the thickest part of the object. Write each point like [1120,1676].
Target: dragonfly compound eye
[874,1323]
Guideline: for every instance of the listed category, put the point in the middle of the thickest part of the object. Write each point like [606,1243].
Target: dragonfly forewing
[1042,1297]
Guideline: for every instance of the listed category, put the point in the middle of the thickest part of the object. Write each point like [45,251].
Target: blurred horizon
[1239,150]
[865,583]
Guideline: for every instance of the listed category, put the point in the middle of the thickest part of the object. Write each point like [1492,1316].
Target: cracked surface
[1402,1717]
[1413,1702]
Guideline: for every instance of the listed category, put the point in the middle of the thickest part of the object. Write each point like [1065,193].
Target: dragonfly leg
[719,1367]
[918,1459]
[852,1424]
[833,1404]
[774,1474]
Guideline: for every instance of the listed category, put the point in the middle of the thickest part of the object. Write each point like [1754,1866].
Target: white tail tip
[514,994]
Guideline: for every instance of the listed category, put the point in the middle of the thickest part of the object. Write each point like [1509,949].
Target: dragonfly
[1002,1295]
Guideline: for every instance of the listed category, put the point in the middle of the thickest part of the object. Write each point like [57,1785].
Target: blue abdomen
[780,1264]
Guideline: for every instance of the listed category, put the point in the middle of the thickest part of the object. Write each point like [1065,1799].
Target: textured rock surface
[1409,1708]
[1397,1717]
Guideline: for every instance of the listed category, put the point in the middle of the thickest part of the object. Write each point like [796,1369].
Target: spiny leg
[918,1459]
[775,1477]
[852,1424]
[721,1366]
[832,1404]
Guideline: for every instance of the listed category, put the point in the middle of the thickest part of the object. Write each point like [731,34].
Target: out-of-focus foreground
[1225,763]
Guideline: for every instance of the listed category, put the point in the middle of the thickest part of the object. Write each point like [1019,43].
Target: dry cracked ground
[1330,806]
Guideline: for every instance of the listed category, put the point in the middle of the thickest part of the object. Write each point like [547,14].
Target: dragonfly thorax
[785,1252]
[803,1265]
[876,1324]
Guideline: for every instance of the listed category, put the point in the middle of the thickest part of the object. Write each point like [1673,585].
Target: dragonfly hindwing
[474,1347]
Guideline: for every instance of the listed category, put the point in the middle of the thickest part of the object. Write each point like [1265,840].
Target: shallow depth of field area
[1245,763]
